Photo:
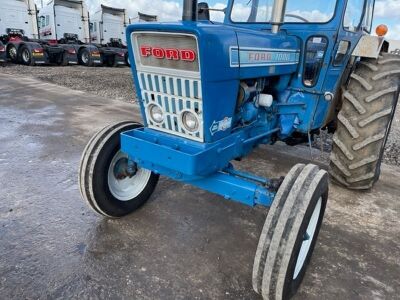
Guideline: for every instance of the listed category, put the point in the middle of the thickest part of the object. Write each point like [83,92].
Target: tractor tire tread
[270,224]
[285,231]
[368,105]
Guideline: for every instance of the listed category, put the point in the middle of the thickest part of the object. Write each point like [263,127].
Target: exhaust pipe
[189,10]
[278,15]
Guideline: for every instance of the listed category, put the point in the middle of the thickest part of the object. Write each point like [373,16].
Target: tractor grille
[175,96]
[166,84]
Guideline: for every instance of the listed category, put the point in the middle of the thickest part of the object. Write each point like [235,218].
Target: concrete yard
[184,243]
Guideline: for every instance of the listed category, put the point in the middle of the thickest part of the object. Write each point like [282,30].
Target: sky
[386,11]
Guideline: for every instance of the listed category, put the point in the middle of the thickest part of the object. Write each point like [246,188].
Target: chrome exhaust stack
[278,15]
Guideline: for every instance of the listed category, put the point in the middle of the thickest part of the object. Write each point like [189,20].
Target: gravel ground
[116,83]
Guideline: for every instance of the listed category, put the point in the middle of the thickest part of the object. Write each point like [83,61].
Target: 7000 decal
[253,57]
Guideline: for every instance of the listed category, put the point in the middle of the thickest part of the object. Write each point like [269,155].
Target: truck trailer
[19,37]
[108,27]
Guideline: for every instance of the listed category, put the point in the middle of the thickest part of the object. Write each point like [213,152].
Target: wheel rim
[25,55]
[13,52]
[123,182]
[85,57]
[308,238]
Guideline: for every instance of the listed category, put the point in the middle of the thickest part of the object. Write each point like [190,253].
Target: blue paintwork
[225,55]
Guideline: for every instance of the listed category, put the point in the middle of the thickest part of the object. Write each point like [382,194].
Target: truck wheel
[369,104]
[63,62]
[111,62]
[290,232]
[26,56]
[109,181]
[12,53]
[127,60]
[84,58]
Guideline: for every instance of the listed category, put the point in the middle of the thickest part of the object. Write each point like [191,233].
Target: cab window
[368,17]
[252,11]
[305,11]
[353,15]
[309,11]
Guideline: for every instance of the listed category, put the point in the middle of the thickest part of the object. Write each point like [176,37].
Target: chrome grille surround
[174,90]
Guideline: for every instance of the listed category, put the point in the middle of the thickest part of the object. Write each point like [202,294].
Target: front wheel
[110,182]
[12,53]
[290,232]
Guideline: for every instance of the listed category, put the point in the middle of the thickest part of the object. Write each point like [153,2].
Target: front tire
[12,53]
[110,183]
[290,232]
[364,121]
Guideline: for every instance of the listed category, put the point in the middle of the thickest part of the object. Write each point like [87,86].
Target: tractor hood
[198,66]
[227,52]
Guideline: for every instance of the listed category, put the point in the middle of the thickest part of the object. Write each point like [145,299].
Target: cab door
[357,21]
[327,46]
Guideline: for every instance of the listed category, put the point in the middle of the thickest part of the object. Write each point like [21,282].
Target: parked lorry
[211,92]
[108,27]
[19,37]
[66,22]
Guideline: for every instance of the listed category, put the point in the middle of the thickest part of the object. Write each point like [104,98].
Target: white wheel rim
[305,246]
[25,55]
[13,52]
[85,57]
[130,187]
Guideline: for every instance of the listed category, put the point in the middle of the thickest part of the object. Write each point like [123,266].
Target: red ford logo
[168,53]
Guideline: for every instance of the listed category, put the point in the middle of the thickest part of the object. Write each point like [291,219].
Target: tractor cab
[327,33]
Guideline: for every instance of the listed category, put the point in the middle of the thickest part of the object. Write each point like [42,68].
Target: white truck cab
[108,24]
[64,17]
[19,15]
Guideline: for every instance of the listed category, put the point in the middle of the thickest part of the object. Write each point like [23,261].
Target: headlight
[156,113]
[190,121]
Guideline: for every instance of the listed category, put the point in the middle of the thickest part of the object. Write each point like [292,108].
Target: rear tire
[109,182]
[364,121]
[63,62]
[85,58]
[290,232]
[26,56]
[111,62]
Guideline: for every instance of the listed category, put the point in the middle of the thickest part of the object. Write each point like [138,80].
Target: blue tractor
[210,92]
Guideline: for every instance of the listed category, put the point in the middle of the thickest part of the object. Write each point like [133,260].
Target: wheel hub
[124,168]
[125,179]
[25,55]
[85,57]
[13,52]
